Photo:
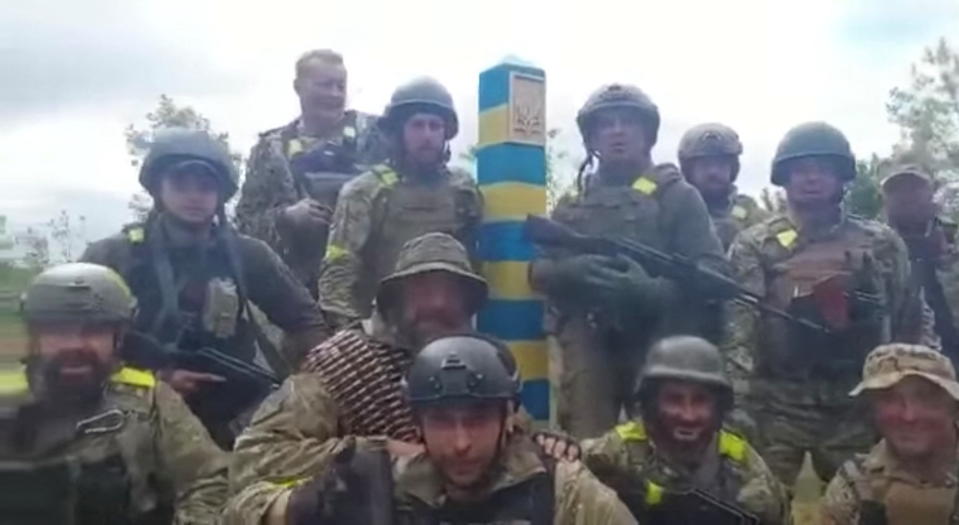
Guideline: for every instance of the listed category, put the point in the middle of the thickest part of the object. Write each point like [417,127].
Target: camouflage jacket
[734,215]
[580,499]
[296,431]
[781,264]
[269,283]
[627,461]
[139,452]
[271,185]
[376,214]
[662,211]
[876,485]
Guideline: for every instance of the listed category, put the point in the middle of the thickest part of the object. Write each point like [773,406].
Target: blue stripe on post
[511,163]
[512,320]
[535,398]
[503,241]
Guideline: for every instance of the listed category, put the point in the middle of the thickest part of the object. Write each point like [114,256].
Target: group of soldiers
[152,391]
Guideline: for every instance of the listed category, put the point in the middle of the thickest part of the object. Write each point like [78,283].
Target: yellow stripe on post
[508,280]
[512,201]
[530,358]
[494,126]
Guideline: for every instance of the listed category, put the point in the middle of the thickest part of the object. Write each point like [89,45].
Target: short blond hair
[324,55]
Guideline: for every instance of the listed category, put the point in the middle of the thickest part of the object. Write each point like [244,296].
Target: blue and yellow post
[511,171]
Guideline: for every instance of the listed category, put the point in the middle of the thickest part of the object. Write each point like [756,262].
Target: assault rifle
[546,232]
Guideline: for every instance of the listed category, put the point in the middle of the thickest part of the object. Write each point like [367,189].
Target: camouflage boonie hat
[907,169]
[433,252]
[889,364]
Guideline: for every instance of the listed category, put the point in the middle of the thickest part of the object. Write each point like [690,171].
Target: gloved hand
[622,281]
[557,445]
[571,272]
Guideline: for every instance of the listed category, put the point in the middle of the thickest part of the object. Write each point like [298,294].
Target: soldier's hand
[398,448]
[620,279]
[557,445]
[307,214]
[188,382]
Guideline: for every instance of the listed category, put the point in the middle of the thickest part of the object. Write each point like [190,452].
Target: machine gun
[546,232]
[694,507]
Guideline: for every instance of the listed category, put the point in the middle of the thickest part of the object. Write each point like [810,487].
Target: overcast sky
[76,73]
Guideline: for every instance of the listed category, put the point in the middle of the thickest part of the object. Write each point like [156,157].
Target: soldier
[677,460]
[604,311]
[99,442]
[295,172]
[194,278]
[709,158]
[931,239]
[350,385]
[463,390]
[845,275]
[416,193]
[911,475]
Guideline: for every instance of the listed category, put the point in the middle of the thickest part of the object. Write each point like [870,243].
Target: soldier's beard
[69,378]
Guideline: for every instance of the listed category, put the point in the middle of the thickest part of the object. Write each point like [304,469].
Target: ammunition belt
[364,377]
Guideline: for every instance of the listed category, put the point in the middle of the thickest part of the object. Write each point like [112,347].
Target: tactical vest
[793,268]
[106,477]
[891,502]
[403,211]
[643,499]
[531,502]
[364,378]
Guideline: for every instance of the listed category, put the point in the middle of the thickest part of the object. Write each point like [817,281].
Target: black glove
[557,445]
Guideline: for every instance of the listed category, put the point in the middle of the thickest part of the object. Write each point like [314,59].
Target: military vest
[796,271]
[364,378]
[884,501]
[97,469]
[528,503]
[644,497]
[402,211]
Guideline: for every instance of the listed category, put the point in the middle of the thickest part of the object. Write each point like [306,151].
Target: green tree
[166,115]
[927,112]
[863,194]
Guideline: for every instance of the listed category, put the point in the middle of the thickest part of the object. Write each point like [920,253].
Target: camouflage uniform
[627,461]
[794,380]
[735,215]
[195,293]
[378,212]
[124,449]
[876,488]
[350,386]
[599,352]
[383,208]
[734,212]
[275,180]
[139,454]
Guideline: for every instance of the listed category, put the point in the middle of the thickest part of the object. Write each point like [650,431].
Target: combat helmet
[174,145]
[814,139]
[710,140]
[619,96]
[78,292]
[421,94]
[464,367]
[685,358]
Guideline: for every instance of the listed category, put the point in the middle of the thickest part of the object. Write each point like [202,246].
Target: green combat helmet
[467,367]
[685,358]
[619,96]
[420,95]
[78,292]
[814,139]
[710,140]
[175,145]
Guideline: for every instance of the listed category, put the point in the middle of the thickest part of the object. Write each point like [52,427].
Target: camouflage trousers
[593,380]
[815,416]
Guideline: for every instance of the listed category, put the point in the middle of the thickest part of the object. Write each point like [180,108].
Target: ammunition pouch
[529,503]
[322,171]
[103,493]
